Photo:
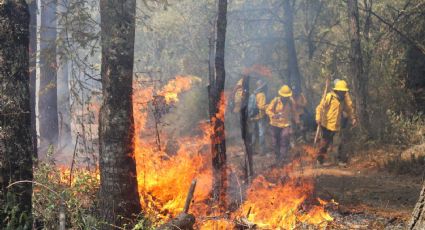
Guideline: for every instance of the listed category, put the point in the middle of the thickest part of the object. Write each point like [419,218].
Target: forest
[212,114]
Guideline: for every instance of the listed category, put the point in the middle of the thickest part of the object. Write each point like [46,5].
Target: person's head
[341,88]
[285,92]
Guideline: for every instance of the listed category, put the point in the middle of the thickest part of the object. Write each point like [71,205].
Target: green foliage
[405,130]
[79,199]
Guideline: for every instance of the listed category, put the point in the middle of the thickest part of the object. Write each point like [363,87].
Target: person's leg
[325,142]
[285,137]
[261,126]
[276,141]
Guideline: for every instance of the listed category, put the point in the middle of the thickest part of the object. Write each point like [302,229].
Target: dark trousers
[258,134]
[281,142]
[326,140]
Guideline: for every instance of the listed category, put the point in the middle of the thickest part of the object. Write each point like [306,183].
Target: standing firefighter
[329,114]
[282,114]
[237,97]
[257,113]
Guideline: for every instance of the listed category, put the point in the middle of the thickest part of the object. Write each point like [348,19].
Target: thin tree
[16,150]
[216,110]
[32,69]
[356,63]
[119,198]
[47,94]
[417,221]
[294,75]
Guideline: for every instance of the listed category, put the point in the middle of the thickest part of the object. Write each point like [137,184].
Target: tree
[47,102]
[119,198]
[417,221]
[33,65]
[216,110]
[356,63]
[16,150]
[294,75]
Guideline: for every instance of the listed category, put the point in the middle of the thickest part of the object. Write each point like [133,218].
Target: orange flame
[164,179]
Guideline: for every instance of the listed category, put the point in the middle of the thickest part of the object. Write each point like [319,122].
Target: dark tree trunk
[356,67]
[216,109]
[119,198]
[417,220]
[47,93]
[249,152]
[16,149]
[294,75]
[32,70]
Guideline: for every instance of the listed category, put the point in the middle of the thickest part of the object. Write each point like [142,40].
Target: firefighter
[282,114]
[257,113]
[237,97]
[329,114]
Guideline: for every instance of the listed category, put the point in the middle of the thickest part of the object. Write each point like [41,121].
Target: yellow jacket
[329,111]
[261,105]
[281,115]
[238,100]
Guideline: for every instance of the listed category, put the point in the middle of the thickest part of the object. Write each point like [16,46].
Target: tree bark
[64,107]
[47,94]
[417,220]
[119,198]
[294,75]
[359,79]
[247,139]
[32,70]
[16,149]
[216,109]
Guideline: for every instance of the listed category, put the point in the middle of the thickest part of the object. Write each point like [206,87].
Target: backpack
[252,106]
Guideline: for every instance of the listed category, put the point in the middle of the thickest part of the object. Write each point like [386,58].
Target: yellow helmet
[341,85]
[285,91]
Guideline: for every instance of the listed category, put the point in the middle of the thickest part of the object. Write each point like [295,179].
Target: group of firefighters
[284,114]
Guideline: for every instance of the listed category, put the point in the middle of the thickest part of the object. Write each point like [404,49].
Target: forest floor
[369,196]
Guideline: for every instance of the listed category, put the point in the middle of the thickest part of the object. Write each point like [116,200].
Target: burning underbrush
[278,199]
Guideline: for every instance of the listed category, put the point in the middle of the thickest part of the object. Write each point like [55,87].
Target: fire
[278,201]
[175,86]
[164,179]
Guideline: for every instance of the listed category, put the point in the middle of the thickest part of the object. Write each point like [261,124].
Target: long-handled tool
[316,137]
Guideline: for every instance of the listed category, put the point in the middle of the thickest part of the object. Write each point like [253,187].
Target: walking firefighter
[282,114]
[329,115]
[257,113]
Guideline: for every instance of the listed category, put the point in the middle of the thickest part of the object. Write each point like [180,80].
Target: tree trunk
[294,76]
[356,67]
[417,220]
[16,149]
[216,109]
[47,93]
[32,70]
[247,139]
[64,107]
[119,199]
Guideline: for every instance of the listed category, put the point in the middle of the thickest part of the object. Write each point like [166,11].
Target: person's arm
[270,108]
[349,109]
[261,101]
[321,107]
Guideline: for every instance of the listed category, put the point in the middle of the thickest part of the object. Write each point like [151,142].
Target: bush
[405,130]
[53,190]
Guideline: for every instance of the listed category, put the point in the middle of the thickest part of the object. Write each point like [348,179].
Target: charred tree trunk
[294,75]
[356,67]
[249,152]
[32,70]
[119,198]
[417,220]
[47,93]
[216,110]
[16,149]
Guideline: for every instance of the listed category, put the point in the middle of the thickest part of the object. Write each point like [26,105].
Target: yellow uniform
[281,114]
[261,105]
[329,111]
